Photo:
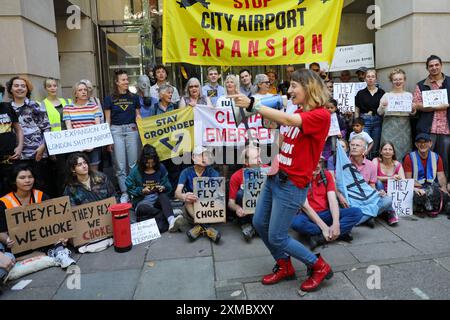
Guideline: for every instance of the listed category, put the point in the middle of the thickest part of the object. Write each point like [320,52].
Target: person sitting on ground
[236,195]
[368,171]
[358,130]
[320,217]
[185,189]
[84,185]
[430,183]
[24,194]
[149,187]
[388,168]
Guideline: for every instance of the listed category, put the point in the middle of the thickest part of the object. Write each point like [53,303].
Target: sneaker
[124,198]
[433,214]
[177,222]
[392,218]
[195,232]
[370,223]
[248,231]
[62,256]
[212,234]
[316,240]
[346,237]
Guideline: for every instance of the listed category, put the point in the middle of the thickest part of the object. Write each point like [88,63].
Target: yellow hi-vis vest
[54,116]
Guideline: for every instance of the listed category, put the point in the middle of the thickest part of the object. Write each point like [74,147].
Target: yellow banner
[250,32]
[171,133]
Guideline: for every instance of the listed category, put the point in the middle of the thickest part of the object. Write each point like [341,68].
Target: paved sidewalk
[414,260]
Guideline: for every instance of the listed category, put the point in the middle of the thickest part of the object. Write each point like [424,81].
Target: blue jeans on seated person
[348,218]
[276,207]
[384,205]
[3,272]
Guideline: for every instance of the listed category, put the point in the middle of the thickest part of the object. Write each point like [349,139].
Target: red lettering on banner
[270,52]
[210,134]
[299,45]
[253,48]
[192,47]
[317,43]
[236,49]
[284,46]
[220,44]
[206,51]
[219,120]
[239,4]
[241,134]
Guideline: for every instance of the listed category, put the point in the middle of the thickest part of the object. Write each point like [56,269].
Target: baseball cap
[198,150]
[423,136]
[361,69]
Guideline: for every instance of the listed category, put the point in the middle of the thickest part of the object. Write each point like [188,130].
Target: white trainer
[62,257]
[177,222]
[124,198]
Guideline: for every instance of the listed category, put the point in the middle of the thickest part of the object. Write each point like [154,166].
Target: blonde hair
[396,71]
[317,93]
[235,80]
[372,70]
[75,89]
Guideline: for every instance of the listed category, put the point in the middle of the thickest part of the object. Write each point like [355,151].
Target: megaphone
[277,102]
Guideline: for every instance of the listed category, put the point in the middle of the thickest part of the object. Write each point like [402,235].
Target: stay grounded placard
[40,224]
[210,206]
[92,221]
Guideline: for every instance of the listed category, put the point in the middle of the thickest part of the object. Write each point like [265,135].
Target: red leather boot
[320,271]
[282,270]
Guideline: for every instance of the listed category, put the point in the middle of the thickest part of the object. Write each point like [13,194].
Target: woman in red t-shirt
[285,192]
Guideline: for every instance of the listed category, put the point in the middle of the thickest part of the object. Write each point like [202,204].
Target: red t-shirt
[317,194]
[301,148]
[407,164]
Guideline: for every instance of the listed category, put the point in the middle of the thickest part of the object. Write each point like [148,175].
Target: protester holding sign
[388,168]
[284,192]
[193,95]
[435,121]
[430,183]
[236,196]
[121,111]
[22,182]
[84,185]
[11,143]
[54,107]
[185,189]
[367,102]
[149,187]
[81,114]
[396,107]
[34,122]
[320,217]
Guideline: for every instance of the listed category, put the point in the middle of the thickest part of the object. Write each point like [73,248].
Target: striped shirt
[81,116]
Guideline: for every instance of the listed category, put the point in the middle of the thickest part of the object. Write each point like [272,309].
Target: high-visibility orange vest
[11,201]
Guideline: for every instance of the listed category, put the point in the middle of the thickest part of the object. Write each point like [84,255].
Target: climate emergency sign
[250,32]
[92,221]
[40,224]
[215,127]
[210,206]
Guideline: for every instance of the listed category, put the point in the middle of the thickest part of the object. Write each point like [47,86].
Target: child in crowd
[185,189]
[149,187]
[330,145]
[358,130]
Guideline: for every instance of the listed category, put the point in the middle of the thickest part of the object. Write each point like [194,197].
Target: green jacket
[135,183]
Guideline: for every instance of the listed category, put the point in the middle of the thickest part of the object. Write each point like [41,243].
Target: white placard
[353,57]
[434,98]
[345,93]
[67,141]
[335,130]
[399,103]
[401,192]
[144,231]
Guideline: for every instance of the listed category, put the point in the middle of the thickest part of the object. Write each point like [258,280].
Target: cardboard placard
[254,179]
[402,192]
[335,130]
[92,221]
[66,141]
[434,98]
[210,206]
[144,231]
[40,224]
[399,103]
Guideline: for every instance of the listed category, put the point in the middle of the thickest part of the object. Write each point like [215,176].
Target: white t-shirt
[363,135]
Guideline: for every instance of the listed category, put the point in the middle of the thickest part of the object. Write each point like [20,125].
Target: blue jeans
[276,207]
[372,125]
[384,204]
[126,149]
[348,218]
[3,272]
